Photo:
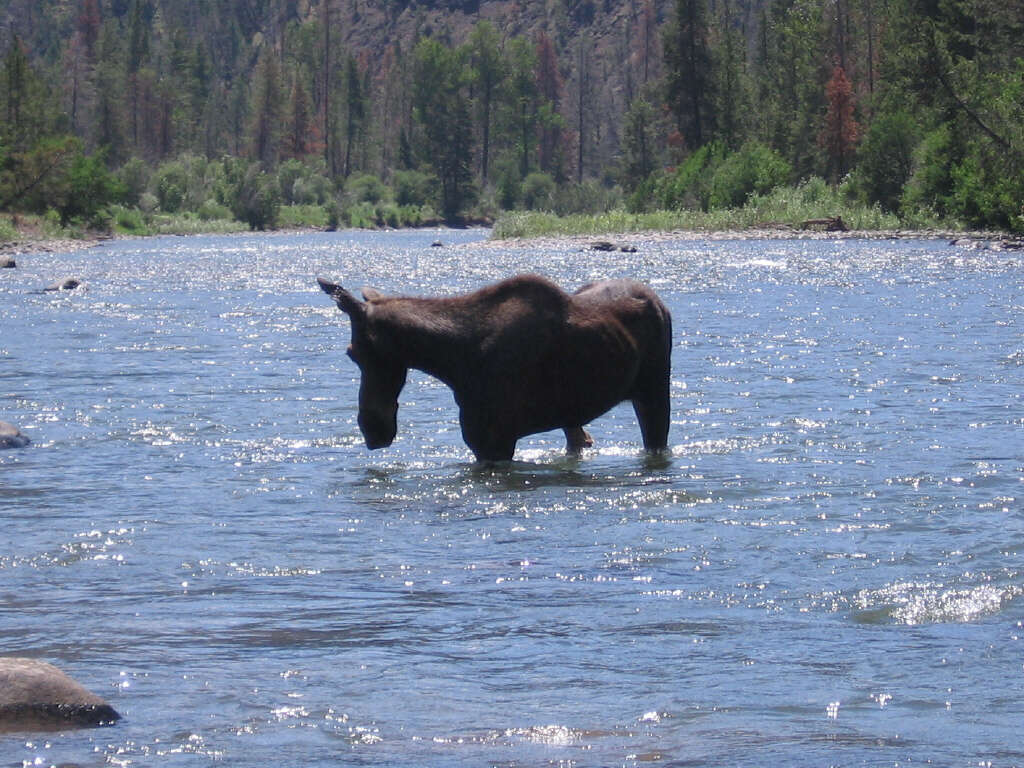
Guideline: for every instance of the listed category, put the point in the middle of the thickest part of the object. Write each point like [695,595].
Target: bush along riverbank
[811,207]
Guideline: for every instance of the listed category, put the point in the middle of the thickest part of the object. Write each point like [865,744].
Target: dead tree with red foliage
[840,132]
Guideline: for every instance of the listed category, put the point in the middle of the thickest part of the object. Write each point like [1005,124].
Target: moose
[522,356]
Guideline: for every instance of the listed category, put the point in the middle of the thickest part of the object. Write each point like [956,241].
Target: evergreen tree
[88,26]
[791,93]
[17,90]
[551,129]
[521,101]
[638,144]
[442,112]
[688,75]
[355,110]
[731,103]
[300,132]
[487,75]
[266,109]
[138,50]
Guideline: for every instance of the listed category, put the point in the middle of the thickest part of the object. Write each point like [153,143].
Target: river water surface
[827,569]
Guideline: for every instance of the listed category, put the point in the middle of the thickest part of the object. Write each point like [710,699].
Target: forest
[132,115]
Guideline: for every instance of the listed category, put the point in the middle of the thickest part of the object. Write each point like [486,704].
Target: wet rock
[437,244]
[608,245]
[12,437]
[36,696]
[67,284]
[7,262]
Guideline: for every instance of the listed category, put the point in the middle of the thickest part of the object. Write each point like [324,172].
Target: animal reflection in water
[522,356]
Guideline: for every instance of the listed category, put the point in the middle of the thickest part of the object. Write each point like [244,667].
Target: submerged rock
[12,437]
[67,284]
[37,696]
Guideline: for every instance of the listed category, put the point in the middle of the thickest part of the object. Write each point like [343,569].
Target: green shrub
[148,203]
[689,185]
[538,191]
[90,189]
[754,169]
[8,231]
[257,198]
[365,188]
[930,186]
[303,183]
[211,210]
[413,188]
[134,175]
[169,184]
[128,220]
[333,215]
[288,173]
[362,215]
[885,159]
[986,190]
[302,216]
[588,197]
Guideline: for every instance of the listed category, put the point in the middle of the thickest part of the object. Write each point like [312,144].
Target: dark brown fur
[522,356]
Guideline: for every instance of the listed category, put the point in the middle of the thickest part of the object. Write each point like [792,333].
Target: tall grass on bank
[783,206]
[7,231]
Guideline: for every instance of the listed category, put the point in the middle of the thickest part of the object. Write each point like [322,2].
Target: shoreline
[611,241]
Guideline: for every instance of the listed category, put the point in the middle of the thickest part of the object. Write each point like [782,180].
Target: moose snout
[378,429]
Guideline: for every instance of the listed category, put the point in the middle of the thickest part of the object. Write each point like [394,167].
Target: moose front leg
[489,440]
[576,439]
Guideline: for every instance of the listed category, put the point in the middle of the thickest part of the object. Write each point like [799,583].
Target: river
[826,570]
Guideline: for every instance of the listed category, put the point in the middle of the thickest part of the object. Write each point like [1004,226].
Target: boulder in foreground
[36,696]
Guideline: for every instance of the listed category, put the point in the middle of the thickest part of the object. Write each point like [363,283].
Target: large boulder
[11,436]
[36,696]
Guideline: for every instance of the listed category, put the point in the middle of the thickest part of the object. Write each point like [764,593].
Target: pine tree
[355,110]
[16,96]
[488,73]
[300,135]
[551,141]
[521,100]
[88,26]
[731,102]
[584,99]
[442,112]
[638,144]
[266,109]
[688,74]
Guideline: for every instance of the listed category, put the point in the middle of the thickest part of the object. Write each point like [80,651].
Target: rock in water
[68,284]
[36,696]
[12,437]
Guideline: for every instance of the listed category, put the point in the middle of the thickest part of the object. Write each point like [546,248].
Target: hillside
[497,104]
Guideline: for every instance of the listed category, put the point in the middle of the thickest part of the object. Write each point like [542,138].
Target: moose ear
[346,302]
[371,294]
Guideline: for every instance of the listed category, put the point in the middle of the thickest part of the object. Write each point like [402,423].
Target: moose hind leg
[651,404]
[653,415]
